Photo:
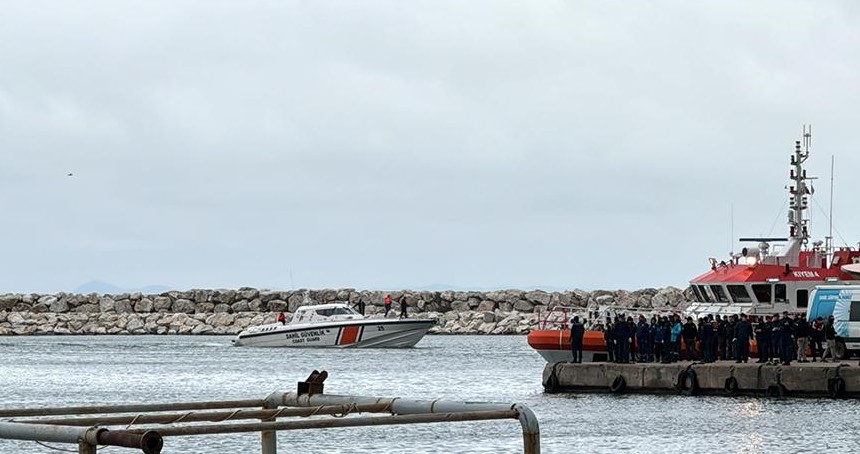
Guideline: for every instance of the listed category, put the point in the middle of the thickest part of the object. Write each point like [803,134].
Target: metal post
[269,438]
[86,448]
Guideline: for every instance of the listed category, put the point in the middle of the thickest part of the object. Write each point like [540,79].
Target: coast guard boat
[336,325]
[758,281]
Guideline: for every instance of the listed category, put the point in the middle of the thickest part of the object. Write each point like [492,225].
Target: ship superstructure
[759,280]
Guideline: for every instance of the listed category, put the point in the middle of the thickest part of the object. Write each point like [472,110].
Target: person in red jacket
[387,304]
[282,319]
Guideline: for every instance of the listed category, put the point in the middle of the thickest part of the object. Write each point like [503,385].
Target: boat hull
[554,345]
[367,333]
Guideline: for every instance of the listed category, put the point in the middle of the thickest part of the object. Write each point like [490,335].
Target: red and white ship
[771,275]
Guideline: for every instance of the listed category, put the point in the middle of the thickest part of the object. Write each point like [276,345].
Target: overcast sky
[402,144]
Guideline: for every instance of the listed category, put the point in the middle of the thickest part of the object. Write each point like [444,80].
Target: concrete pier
[837,380]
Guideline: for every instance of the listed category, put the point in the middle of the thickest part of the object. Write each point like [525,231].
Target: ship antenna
[830,237]
[798,192]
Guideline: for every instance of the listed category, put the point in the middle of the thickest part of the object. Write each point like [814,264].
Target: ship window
[325,312]
[802,298]
[779,293]
[762,292]
[342,311]
[739,294]
[719,294]
[698,295]
[854,315]
[705,297]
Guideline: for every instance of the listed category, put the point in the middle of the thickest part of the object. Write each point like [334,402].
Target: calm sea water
[52,371]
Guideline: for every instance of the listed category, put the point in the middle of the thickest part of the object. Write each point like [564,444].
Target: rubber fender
[551,386]
[836,387]
[777,391]
[731,386]
[688,382]
[618,385]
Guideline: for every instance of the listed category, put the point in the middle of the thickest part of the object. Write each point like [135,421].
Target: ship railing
[144,426]
[559,317]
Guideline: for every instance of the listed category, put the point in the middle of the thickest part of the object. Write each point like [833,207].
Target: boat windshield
[335,311]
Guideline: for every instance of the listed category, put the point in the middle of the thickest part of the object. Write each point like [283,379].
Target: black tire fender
[688,382]
[731,386]
[836,387]
[551,386]
[618,385]
[777,391]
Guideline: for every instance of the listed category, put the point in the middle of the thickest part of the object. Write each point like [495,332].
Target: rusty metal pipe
[150,442]
[136,408]
[220,416]
[527,419]
[340,422]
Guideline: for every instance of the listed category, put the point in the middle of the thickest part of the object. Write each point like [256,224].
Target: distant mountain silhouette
[102,287]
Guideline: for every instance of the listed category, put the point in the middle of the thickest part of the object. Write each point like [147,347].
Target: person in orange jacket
[387,304]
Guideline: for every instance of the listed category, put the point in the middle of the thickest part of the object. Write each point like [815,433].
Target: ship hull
[367,333]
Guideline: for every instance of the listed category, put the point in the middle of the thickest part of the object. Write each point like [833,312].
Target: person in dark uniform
[787,339]
[657,339]
[633,348]
[707,336]
[403,307]
[609,338]
[730,333]
[801,335]
[816,335]
[690,334]
[643,334]
[775,339]
[743,334]
[623,338]
[359,306]
[721,337]
[762,339]
[577,331]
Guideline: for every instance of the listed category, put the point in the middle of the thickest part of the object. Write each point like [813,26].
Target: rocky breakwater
[229,311]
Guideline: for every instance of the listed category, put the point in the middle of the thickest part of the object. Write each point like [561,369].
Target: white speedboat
[336,325]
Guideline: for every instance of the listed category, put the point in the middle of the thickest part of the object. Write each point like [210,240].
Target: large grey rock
[162,303]
[295,302]
[538,297]
[59,306]
[221,307]
[47,300]
[106,304]
[184,306]
[277,306]
[524,306]
[460,306]
[135,325]
[144,305]
[487,306]
[123,307]
[240,306]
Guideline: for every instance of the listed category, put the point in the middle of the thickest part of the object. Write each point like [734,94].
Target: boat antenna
[830,236]
[800,190]
[732,231]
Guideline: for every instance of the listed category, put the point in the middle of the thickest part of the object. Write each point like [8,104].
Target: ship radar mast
[800,190]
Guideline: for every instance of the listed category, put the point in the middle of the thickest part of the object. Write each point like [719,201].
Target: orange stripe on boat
[349,335]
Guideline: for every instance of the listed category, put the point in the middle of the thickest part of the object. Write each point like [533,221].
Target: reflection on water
[48,371]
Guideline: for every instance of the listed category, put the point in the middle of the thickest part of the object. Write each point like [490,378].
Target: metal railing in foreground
[65,425]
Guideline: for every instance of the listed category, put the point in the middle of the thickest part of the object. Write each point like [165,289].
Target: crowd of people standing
[668,339]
